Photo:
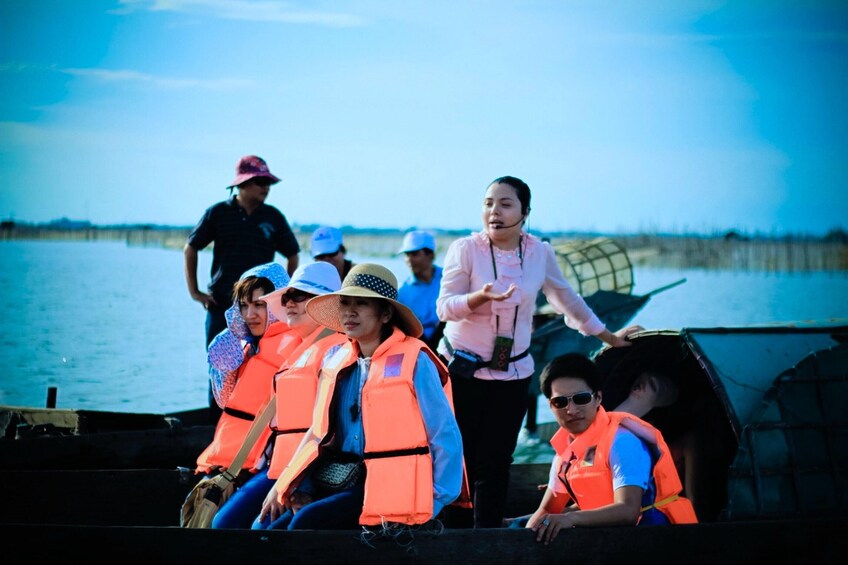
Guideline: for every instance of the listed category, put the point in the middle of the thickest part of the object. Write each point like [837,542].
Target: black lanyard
[495,269]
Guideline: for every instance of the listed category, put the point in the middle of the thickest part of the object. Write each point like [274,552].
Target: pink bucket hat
[251,166]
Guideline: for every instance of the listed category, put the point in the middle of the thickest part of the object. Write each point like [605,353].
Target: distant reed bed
[644,250]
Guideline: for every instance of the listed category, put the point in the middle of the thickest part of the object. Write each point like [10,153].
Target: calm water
[113,328]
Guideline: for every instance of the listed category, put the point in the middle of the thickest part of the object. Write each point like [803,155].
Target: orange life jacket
[295,386]
[254,387]
[399,477]
[586,470]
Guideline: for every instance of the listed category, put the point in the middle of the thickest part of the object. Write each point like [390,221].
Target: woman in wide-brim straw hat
[304,341]
[365,281]
[382,408]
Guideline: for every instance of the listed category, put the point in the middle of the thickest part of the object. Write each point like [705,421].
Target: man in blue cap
[327,245]
[421,289]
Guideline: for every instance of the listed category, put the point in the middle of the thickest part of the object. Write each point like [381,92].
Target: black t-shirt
[241,242]
[348,265]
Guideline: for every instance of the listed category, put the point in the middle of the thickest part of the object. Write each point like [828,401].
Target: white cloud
[10,67]
[259,11]
[124,75]
[119,75]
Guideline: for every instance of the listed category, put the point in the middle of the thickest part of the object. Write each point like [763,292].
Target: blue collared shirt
[439,422]
[421,297]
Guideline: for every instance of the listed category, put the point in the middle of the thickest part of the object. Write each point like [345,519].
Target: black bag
[338,471]
[464,364]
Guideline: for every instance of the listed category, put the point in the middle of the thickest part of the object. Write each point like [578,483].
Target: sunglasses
[579,399]
[295,296]
[262,181]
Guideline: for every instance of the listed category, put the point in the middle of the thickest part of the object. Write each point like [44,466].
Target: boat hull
[787,541]
[43,438]
[153,497]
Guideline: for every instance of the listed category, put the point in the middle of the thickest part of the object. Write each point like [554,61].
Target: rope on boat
[402,535]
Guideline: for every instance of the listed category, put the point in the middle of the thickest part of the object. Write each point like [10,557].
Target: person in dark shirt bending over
[246,232]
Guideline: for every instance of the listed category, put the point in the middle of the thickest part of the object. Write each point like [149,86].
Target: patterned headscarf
[226,351]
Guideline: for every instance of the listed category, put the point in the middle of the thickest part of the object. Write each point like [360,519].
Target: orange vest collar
[563,442]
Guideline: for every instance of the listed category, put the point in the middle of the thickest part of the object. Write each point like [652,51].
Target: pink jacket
[468,266]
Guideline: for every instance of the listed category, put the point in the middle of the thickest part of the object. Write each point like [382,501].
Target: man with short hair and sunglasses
[610,468]
[246,232]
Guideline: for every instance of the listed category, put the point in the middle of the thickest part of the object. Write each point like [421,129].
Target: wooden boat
[760,420]
[759,417]
[50,438]
[776,543]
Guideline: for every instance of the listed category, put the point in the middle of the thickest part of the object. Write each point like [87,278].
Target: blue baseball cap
[417,239]
[325,240]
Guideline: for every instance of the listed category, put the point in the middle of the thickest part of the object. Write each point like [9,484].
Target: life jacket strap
[661,503]
[291,431]
[240,414]
[397,453]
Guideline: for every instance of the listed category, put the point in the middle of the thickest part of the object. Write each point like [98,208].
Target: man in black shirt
[246,232]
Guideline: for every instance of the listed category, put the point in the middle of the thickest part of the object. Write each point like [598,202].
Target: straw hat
[315,278]
[367,280]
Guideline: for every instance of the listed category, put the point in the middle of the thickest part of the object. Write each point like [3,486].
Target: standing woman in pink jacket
[487,297]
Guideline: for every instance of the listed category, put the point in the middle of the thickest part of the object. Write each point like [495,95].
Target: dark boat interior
[695,426]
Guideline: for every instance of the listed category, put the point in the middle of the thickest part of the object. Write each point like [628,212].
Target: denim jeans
[244,505]
[339,511]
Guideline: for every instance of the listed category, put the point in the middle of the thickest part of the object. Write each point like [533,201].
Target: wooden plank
[153,497]
[121,497]
[811,541]
[153,448]
[11,417]
[36,421]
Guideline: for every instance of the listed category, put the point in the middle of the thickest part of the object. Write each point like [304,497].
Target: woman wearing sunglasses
[296,381]
[302,341]
[383,446]
[610,468]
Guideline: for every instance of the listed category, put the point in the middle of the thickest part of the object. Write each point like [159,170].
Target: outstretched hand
[485,294]
[497,296]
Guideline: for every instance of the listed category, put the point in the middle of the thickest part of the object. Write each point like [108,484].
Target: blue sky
[675,115]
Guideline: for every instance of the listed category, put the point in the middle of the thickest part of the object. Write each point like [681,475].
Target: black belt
[484,364]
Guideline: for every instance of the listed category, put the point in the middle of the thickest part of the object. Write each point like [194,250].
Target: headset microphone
[512,225]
